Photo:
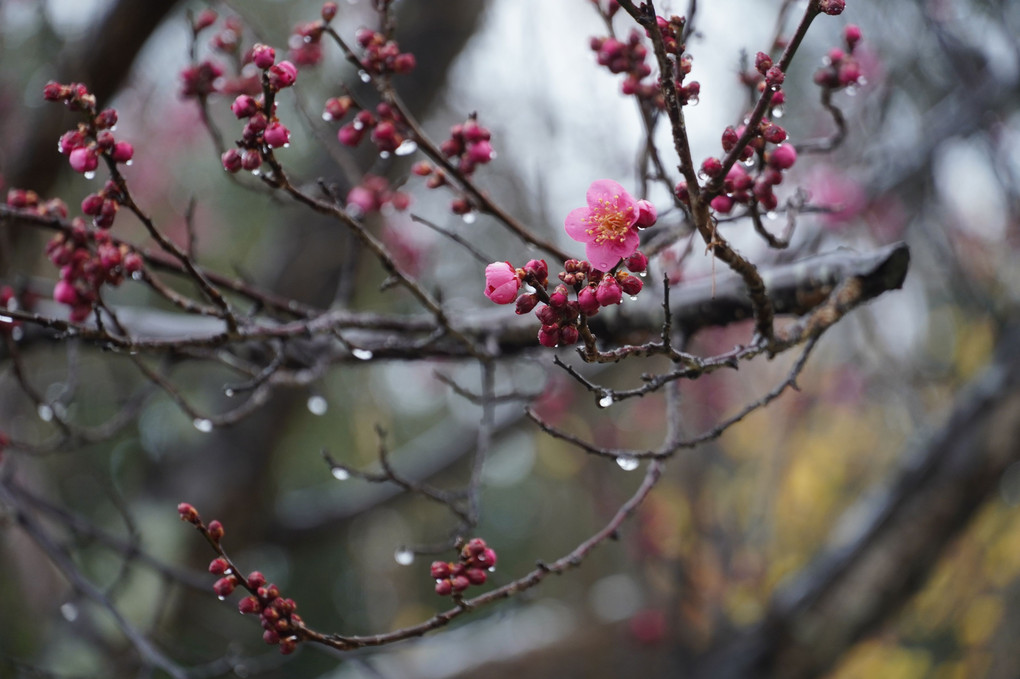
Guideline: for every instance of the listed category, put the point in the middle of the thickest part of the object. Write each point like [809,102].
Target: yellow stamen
[607,221]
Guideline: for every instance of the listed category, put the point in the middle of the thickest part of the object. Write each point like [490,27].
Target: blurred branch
[888,544]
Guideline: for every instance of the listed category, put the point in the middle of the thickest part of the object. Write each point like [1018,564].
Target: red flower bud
[188,513]
[215,529]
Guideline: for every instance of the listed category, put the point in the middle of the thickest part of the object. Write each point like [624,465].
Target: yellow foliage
[873,659]
[979,621]
[974,343]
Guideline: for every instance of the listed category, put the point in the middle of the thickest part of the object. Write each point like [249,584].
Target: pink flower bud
[282,75]
[568,336]
[244,106]
[762,62]
[637,262]
[549,335]
[218,566]
[248,605]
[276,135]
[477,576]
[336,108]
[251,160]
[83,159]
[205,19]
[783,157]
[439,569]
[365,36]
[231,160]
[256,580]
[711,167]
[92,204]
[480,152]
[215,529]
[587,301]
[608,292]
[65,293]
[106,119]
[729,138]
[224,586]
[404,63]
[647,213]
[832,7]
[501,282]
[538,270]
[525,303]
[329,10]
[349,135]
[722,204]
[775,77]
[444,587]
[774,134]
[263,56]
[54,91]
[122,152]
[69,141]
[852,35]
[188,513]
[629,284]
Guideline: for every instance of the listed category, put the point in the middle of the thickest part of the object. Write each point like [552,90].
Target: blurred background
[735,536]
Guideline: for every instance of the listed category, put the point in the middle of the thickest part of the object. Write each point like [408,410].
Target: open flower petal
[607,226]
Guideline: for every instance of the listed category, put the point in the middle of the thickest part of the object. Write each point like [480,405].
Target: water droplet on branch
[627,463]
[203,425]
[403,556]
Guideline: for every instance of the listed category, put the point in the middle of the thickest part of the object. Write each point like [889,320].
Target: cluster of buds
[387,128]
[477,559]
[841,69]
[738,186]
[767,75]
[672,31]
[305,43]
[279,621]
[382,56]
[559,315]
[201,79]
[629,58]
[468,146]
[92,138]
[26,200]
[607,9]
[263,129]
[207,77]
[373,194]
[103,205]
[88,258]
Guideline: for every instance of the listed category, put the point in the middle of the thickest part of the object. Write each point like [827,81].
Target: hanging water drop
[229,393]
[203,425]
[6,319]
[136,275]
[606,401]
[627,463]
[469,217]
[362,354]
[45,412]
[384,154]
[69,611]
[407,147]
[778,111]
[403,556]
[317,405]
[340,474]
[364,76]
[643,274]
[221,597]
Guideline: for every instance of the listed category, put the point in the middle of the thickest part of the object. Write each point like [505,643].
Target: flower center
[607,221]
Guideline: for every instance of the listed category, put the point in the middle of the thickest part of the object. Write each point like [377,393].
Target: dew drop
[643,274]
[632,298]
[851,91]
[606,401]
[627,463]
[255,173]
[771,215]
[136,275]
[407,147]
[364,76]
[403,556]
[340,474]
[362,354]
[17,333]
[221,597]
[6,319]
[358,125]
[45,412]
[317,405]
[469,217]
[69,611]
[326,116]
[128,163]
[229,393]
[203,425]
[91,174]
[384,154]
[778,111]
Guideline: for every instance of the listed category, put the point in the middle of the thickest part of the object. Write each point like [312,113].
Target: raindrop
[606,401]
[128,163]
[18,333]
[469,217]
[862,81]
[358,125]
[326,116]
[221,597]
[91,174]
[403,556]
[317,405]
[362,354]
[6,319]
[633,298]
[255,173]
[364,76]
[771,215]
[407,147]
[203,425]
[340,474]
[45,412]
[642,274]
[384,154]
[136,275]
[69,611]
[851,91]
[778,111]
[229,393]
[627,463]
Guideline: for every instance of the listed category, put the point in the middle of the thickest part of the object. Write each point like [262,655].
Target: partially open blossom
[607,226]
[501,283]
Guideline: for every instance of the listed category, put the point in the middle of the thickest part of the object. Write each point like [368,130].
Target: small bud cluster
[468,147]
[607,9]
[88,258]
[103,205]
[767,75]
[841,69]
[386,127]
[201,79]
[280,623]
[453,577]
[629,58]
[672,31]
[208,77]
[832,7]
[92,138]
[382,56]
[373,194]
[25,200]
[305,43]
[739,186]
[559,315]
[263,129]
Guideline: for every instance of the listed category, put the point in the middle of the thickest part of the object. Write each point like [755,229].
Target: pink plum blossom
[501,282]
[607,226]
